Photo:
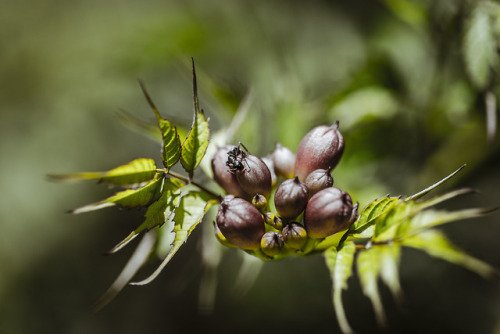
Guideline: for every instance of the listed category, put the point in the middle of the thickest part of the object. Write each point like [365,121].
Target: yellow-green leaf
[339,263]
[436,244]
[188,215]
[129,198]
[372,211]
[133,173]
[196,142]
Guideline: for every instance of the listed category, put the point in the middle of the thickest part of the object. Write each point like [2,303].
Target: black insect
[236,158]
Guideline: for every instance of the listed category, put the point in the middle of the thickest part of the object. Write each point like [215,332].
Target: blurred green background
[399,75]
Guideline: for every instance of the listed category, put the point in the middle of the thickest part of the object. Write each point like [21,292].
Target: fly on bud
[318,180]
[328,212]
[222,176]
[321,148]
[295,235]
[271,243]
[291,198]
[284,161]
[240,223]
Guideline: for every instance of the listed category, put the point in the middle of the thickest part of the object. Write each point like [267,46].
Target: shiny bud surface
[318,180]
[321,148]
[295,235]
[240,223]
[222,176]
[271,243]
[329,211]
[255,178]
[260,202]
[284,161]
[291,198]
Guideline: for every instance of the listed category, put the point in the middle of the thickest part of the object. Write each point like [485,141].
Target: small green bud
[295,235]
[271,243]
[260,202]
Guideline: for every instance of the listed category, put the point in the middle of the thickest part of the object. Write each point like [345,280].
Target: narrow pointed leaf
[339,263]
[389,273]
[133,173]
[369,266]
[196,143]
[136,261]
[436,244]
[434,186]
[372,211]
[188,215]
[171,149]
[129,198]
[157,213]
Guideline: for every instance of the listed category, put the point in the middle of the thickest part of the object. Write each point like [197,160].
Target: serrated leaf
[480,46]
[389,264]
[158,212]
[339,263]
[387,224]
[129,198]
[437,245]
[369,265]
[133,173]
[372,211]
[188,215]
[196,142]
[171,149]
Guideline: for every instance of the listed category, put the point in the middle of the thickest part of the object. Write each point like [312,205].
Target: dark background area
[392,72]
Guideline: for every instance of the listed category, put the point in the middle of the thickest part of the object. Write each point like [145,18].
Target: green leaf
[387,224]
[389,264]
[129,198]
[188,215]
[158,212]
[339,263]
[131,174]
[171,149]
[369,266]
[436,244]
[480,46]
[373,211]
[195,145]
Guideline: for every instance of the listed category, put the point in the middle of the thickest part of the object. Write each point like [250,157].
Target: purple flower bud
[328,211]
[255,178]
[260,202]
[284,161]
[241,223]
[222,239]
[270,164]
[223,177]
[295,235]
[321,148]
[291,198]
[318,180]
[271,243]
[272,220]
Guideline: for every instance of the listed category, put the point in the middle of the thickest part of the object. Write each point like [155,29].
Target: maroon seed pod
[270,164]
[255,178]
[328,211]
[318,180]
[271,243]
[291,198]
[272,220]
[321,148]
[222,239]
[223,177]
[295,235]
[284,161]
[240,223]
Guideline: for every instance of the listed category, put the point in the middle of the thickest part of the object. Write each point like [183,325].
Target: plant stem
[186,180]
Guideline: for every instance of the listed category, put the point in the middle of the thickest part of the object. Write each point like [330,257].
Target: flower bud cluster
[306,204]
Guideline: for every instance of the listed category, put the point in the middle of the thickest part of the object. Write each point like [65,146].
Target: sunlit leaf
[372,211]
[369,265]
[339,263]
[133,173]
[188,215]
[387,224]
[436,244]
[480,46]
[158,212]
[389,264]
[171,149]
[129,198]
[195,145]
